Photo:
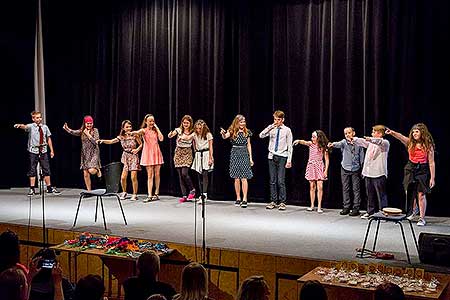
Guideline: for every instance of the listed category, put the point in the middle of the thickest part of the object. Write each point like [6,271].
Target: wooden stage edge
[227,268]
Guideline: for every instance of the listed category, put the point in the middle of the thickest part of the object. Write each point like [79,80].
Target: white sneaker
[421,222]
[123,196]
[365,216]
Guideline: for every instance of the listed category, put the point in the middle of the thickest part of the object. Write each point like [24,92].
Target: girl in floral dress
[316,171]
[240,157]
[90,152]
[131,145]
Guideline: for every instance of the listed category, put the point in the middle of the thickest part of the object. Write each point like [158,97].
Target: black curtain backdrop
[327,63]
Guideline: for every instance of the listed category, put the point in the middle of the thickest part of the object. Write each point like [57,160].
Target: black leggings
[203,181]
[185,181]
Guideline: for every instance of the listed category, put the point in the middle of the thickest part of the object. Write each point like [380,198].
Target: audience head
[13,284]
[313,290]
[389,291]
[9,250]
[194,282]
[90,287]
[148,265]
[157,297]
[253,288]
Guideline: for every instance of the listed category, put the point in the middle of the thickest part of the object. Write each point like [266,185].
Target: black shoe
[237,202]
[31,192]
[53,191]
[344,212]
[244,204]
[354,213]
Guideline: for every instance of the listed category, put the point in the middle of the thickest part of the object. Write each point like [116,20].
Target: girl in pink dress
[316,171]
[131,145]
[151,157]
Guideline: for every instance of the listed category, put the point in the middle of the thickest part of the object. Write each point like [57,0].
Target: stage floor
[294,232]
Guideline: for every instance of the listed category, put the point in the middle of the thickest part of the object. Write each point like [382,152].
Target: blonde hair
[35,112]
[234,127]
[426,139]
[278,114]
[144,122]
[191,121]
[205,128]
[194,283]
[380,128]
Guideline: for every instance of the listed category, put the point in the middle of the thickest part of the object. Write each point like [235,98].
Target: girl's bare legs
[123,180]
[87,179]
[237,188]
[319,194]
[149,180]
[244,189]
[134,182]
[312,192]
[157,169]
[422,204]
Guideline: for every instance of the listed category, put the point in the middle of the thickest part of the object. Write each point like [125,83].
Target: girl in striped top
[316,171]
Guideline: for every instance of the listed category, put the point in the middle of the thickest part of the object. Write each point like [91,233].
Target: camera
[47,263]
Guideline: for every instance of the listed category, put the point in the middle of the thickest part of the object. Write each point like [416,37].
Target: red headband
[88,119]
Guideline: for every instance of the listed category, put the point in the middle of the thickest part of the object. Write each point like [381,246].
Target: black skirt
[417,173]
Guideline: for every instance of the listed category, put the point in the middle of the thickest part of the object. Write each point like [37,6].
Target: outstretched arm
[398,136]
[20,126]
[302,142]
[224,133]
[71,131]
[108,142]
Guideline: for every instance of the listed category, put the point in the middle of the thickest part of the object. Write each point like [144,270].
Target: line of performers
[194,150]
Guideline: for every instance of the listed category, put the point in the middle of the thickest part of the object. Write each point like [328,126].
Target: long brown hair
[234,127]
[191,127]
[426,140]
[194,283]
[252,288]
[122,130]
[322,140]
[205,128]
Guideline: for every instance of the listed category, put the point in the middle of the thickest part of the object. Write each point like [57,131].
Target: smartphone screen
[48,263]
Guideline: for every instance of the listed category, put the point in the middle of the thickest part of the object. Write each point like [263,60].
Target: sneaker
[148,199]
[282,206]
[31,192]
[310,209]
[319,210]
[354,213]
[421,222]
[365,216]
[237,202]
[413,214]
[271,205]
[53,190]
[344,212]
[123,196]
[191,195]
[183,199]
[244,204]
[134,197]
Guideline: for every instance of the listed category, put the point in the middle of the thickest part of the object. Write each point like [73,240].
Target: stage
[294,232]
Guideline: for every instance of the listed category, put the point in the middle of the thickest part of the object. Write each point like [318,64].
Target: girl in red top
[420,168]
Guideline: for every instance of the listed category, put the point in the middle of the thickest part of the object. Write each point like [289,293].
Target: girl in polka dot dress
[240,157]
[131,145]
[316,171]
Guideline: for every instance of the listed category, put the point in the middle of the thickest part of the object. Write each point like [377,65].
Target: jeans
[277,171]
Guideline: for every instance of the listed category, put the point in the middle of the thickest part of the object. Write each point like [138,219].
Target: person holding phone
[48,280]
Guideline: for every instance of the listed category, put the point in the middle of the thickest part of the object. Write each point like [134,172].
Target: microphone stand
[42,193]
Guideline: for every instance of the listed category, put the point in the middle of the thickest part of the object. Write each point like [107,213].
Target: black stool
[397,219]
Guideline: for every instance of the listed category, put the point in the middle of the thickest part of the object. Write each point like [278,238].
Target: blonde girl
[316,171]
[131,145]
[183,156]
[240,157]
[151,157]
